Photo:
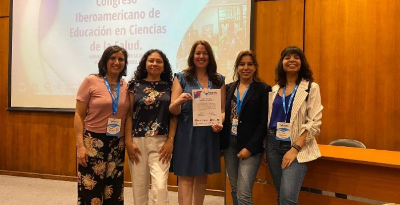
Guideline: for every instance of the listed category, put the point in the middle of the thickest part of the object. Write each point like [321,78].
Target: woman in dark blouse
[152,128]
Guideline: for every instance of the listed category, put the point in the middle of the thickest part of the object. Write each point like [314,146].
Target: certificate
[206,107]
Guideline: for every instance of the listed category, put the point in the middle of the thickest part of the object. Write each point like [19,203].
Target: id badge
[234,127]
[113,127]
[283,131]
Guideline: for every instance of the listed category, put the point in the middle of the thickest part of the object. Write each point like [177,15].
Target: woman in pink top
[102,103]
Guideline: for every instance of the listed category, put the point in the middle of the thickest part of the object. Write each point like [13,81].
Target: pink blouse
[93,91]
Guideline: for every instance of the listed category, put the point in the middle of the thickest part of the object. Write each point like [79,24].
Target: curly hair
[237,62]
[102,65]
[304,72]
[141,71]
[190,72]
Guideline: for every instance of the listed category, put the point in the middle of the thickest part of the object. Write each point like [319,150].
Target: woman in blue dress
[196,150]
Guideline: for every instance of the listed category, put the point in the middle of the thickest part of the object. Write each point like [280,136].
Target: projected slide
[57,43]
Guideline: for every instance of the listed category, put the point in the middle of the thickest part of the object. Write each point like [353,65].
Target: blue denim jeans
[241,173]
[287,181]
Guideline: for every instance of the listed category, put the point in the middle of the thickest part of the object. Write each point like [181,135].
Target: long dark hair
[141,71]
[304,72]
[190,72]
[237,62]
[102,65]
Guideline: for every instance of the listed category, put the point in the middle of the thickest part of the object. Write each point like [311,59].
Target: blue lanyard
[198,84]
[240,102]
[290,100]
[116,100]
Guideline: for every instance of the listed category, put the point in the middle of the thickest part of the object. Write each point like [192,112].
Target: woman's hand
[183,98]
[82,156]
[217,127]
[289,157]
[165,152]
[133,152]
[244,154]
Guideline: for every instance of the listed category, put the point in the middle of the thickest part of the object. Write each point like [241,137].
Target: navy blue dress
[196,150]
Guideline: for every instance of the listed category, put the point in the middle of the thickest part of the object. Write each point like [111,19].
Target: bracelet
[296,146]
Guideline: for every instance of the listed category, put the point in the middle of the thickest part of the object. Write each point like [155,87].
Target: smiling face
[200,58]
[116,63]
[291,63]
[246,68]
[154,65]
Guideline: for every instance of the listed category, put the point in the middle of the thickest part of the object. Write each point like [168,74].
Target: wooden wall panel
[352,47]
[354,179]
[278,24]
[4,8]
[41,143]
[4,145]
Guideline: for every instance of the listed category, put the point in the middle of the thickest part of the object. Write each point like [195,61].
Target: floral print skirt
[102,181]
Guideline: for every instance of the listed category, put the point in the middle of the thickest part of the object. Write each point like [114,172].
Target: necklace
[200,84]
[113,90]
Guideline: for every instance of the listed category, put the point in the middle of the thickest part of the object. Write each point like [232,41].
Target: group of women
[151,117]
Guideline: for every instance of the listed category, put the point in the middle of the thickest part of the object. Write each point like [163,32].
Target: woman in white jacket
[294,121]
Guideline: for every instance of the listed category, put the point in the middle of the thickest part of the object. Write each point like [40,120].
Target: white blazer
[306,115]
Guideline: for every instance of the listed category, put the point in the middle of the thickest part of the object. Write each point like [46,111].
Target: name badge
[283,131]
[113,127]
[234,127]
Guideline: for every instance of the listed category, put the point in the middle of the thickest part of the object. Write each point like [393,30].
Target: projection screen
[55,44]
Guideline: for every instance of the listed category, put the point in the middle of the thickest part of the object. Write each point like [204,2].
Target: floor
[35,191]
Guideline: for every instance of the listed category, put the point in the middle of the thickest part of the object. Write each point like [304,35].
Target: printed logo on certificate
[206,107]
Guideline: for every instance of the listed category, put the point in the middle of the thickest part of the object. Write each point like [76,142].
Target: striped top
[306,115]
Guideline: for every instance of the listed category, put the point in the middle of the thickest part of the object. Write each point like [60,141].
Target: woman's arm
[223,101]
[131,148]
[165,152]
[128,122]
[80,115]
[218,127]
[314,114]
[177,97]
[173,124]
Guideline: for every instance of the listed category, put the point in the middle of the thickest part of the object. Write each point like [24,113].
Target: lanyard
[198,84]
[240,102]
[116,100]
[290,100]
